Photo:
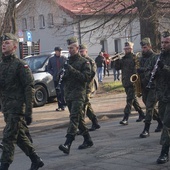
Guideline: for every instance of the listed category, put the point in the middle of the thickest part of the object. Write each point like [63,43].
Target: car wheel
[40,96]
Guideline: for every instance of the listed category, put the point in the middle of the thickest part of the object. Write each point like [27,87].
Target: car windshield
[36,62]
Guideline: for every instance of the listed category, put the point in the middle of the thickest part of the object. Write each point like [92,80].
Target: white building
[52,22]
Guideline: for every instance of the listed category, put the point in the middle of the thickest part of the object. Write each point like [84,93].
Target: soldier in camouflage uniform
[127,65]
[77,75]
[88,108]
[162,78]
[16,90]
[148,94]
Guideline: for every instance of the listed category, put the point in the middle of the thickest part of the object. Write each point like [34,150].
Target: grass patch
[113,87]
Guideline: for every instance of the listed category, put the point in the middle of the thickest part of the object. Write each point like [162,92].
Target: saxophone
[135,78]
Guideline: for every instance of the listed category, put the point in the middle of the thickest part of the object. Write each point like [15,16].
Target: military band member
[16,89]
[77,75]
[162,78]
[127,65]
[88,108]
[148,94]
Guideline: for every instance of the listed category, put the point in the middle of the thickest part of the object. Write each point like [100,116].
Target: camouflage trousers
[77,118]
[131,100]
[88,108]
[14,133]
[165,136]
[149,99]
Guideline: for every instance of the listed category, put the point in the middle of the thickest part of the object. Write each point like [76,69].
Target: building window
[24,24]
[117,43]
[32,23]
[50,20]
[64,21]
[42,21]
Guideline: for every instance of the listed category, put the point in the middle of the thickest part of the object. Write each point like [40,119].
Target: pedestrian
[88,108]
[107,61]
[54,67]
[116,73]
[77,75]
[16,89]
[100,62]
[128,67]
[149,97]
[162,78]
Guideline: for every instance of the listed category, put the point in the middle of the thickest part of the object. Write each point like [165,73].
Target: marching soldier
[127,65]
[77,75]
[16,89]
[88,108]
[148,94]
[162,79]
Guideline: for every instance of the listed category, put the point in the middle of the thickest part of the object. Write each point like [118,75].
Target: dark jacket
[52,67]
[100,61]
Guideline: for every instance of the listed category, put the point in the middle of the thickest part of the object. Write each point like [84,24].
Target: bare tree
[148,12]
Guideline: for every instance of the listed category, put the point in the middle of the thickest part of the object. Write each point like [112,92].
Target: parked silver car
[44,86]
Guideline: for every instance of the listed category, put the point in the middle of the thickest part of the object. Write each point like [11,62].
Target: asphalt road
[115,146]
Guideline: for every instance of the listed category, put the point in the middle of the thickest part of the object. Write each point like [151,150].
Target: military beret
[9,36]
[128,44]
[82,46]
[57,49]
[145,41]
[165,34]
[72,40]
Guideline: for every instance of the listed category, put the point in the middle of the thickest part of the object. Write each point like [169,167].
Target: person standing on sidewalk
[148,94]
[16,90]
[88,108]
[162,78]
[100,62]
[127,65]
[77,75]
[54,67]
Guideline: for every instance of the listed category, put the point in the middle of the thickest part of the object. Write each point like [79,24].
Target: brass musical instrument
[135,78]
[117,56]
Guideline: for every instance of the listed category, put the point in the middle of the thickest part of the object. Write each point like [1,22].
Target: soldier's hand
[160,64]
[28,120]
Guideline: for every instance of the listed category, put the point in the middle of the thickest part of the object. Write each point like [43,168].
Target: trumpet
[117,56]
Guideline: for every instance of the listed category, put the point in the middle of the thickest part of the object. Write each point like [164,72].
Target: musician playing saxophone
[127,65]
[148,95]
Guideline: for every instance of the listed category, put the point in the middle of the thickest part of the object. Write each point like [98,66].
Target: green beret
[129,44]
[9,36]
[82,46]
[72,40]
[145,41]
[165,34]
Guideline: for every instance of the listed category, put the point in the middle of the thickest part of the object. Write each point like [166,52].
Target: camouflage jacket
[127,65]
[144,68]
[76,78]
[93,72]
[16,86]
[162,77]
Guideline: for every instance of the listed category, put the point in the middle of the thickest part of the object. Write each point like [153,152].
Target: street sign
[29,36]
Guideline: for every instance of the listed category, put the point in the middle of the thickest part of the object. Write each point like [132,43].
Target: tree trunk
[148,17]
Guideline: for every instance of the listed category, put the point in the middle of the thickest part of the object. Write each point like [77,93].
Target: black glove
[28,120]
[140,70]
[160,64]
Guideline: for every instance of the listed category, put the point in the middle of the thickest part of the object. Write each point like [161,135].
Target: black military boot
[145,132]
[95,124]
[125,120]
[4,166]
[164,156]
[160,125]
[36,162]
[87,142]
[66,147]
[141,116]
